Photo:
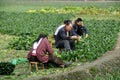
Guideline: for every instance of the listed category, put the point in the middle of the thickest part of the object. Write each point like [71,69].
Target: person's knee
[60,44]
[66,41]
[67,45]
[72,42]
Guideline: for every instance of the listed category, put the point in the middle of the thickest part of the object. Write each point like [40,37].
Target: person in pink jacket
[42,51]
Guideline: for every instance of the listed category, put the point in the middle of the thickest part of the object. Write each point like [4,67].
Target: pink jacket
[41,51]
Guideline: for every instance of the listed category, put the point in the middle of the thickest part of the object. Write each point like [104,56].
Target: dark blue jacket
[80,30]
[62,34]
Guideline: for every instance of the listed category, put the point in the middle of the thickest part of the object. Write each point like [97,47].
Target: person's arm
[64,37]
[73,32]
[86,35]
[75,28]
[86,32]
[76,36]
[48,47]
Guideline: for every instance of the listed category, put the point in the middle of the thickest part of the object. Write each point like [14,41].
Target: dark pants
[67,44]
[51,59]
[33,59]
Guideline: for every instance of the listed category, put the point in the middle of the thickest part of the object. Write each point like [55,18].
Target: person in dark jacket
[79,28]
[41,51]
[65,37]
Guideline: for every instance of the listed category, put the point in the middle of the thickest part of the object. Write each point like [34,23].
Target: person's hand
[86,36]
[74,37]
[78,39]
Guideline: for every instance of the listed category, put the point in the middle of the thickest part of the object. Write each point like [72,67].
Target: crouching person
[65,36]
[42,52]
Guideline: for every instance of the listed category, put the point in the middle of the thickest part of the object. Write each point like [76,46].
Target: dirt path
[108,63]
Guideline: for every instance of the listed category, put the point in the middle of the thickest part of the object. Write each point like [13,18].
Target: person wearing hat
[79,28]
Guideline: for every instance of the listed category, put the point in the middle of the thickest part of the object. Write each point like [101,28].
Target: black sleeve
[85,30]
[74,33]
[75,28]
[63,36]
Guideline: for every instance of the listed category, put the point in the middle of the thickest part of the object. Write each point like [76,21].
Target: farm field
[21,22]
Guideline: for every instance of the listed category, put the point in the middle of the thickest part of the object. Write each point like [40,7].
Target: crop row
[27,26]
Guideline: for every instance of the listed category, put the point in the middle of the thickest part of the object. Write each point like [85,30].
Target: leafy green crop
[28,26]
[30,23]
[91,10]
[102,37]
[102,33]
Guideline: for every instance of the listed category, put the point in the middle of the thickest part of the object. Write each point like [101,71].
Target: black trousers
[51,59]
[67,44]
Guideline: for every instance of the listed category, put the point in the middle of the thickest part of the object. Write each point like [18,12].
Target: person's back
[57,30]
[58,36]
[40,48]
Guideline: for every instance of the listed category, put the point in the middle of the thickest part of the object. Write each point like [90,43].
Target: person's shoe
[68,64]
[62,66]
